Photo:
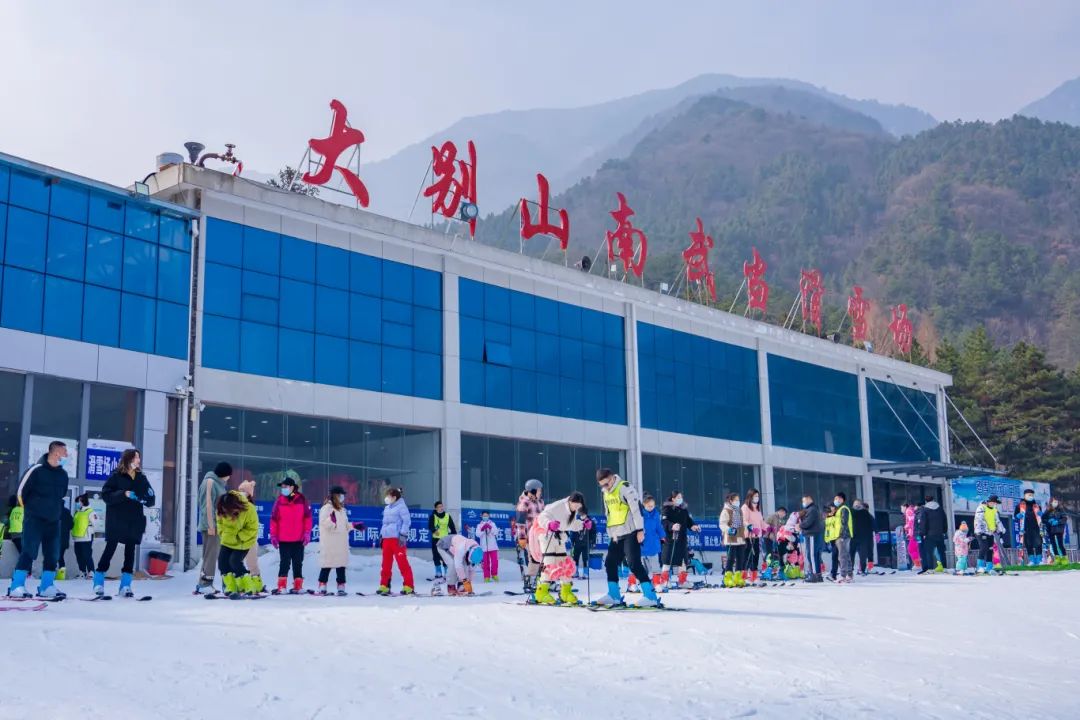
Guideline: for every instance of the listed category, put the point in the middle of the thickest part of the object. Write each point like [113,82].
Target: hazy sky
[100,88]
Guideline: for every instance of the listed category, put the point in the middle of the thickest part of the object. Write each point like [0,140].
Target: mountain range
[1061,105]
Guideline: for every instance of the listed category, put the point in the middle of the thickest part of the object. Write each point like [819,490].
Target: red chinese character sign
[901,328]
[543,226]
[342,137]
[454,182]
[857,306]
[756,288]
[811,289]
[633,246]
[697,259]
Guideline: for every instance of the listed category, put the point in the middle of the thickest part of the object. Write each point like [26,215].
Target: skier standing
[755,531]
[211,488]
[845,532]
[863,542]
[773,524]
[1054,521]
[654,539]
[487,536]
[334,532]
[832,532]
[812,525]
[678,523]
[988,526]
[580,542]
[547,547]
[933,524]
[529,506]
[909,533]
[126,493]
[396,522]
[461,556]
[40,496]
[903,560]
[290,533]
[1032,526]
[14,522]
[440,524]
[733,533]
[238,531]
[82,533]
[961,547]
[626,530]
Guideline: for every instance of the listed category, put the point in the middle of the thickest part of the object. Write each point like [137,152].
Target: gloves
[307,539]
[359,526]
[466,587]
[731,531]
[333,516]
[522,543]
[553,526]
[403,539]
[274,542]
[587,524]
[131,496]
[676,527]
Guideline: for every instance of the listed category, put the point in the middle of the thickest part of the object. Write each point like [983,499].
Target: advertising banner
[968,492]
[102,457]
[39,445]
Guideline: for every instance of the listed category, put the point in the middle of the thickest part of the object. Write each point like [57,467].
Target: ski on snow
[41,605]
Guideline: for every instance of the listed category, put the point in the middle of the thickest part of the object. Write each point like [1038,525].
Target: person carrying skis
[654,539]
[396,522]
[933,524]
[440,524]
[126,493]
[290,533]
[845,532]
[334,532]
[529,506]
[812,525]
[755,531]
[988,526]
[461,556]
[487,536]
[909,533]
[788,546]
[903,560]
[211,488]
[40,496]
[678,523]
[626,530]
[547,548]
[863,542]
[82,533]
[1054,521]
[733,534]
[1031,512]
[961,547]
[238,531]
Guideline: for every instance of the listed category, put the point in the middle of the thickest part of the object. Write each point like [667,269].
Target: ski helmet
[476,556]
[533,485]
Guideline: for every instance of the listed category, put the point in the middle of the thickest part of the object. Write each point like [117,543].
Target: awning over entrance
[937,470]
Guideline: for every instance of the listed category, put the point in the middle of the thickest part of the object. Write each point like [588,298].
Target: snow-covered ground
[884,647]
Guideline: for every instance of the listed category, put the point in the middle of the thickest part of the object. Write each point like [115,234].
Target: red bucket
[157,563]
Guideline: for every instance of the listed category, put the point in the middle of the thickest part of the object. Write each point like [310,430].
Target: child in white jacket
[961,547]
[334,531]
[487,535]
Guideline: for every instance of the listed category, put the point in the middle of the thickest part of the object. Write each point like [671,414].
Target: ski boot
[341,590]
[452,590]
[256,584]
[729,579]
[322,589]
[297,586]
[648,596]
[282,583]
[665,576]
[494,578]
[657,583]
[683,578]
[740,579]
[232,587]
[466,588]
[383,590]
[99,583]
[46,589]
[61,574]
[18,585]
[614,597]
[125,590]
[543,594]
[631,584]
[205,586]
[938,568]
[438,588]
[567,596]
[407,590]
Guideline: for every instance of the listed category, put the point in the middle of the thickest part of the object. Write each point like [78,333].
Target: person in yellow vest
[82,534]
[439,525]
[15,523]
[626,531]
[988,526]
[845,531]
[832,532]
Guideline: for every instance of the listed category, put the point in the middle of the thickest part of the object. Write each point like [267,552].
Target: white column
[768,487]
[867,482]
[450,443]
[633,400]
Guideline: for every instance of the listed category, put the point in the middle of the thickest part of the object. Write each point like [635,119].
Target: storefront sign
[102,457]
[39,445]
[967,493]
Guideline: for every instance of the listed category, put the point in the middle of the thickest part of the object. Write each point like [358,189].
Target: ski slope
[884,647]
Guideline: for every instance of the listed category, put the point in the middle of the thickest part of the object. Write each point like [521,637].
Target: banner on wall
[369,537]
[39,445]
[102,457]
[967,493]
[152,534]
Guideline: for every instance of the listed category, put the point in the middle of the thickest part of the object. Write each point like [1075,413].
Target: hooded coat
[42,490]
[290,520]
[396,520]
[334,530]
[124,519]
[654,532]
[933,523]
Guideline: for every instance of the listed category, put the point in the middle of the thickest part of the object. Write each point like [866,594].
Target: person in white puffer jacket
[547,546]
[462,555]
[487,536]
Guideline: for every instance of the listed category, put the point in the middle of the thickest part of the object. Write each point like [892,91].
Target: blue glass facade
[279,306]
[697,386]
[814,407]
[917,411]
[86,264]
[528,353]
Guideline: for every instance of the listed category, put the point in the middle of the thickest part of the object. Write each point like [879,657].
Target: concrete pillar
[867,480]
[768,487]
[633,398]
[449,461]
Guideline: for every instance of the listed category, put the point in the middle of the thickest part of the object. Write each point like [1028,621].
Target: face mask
[1029,498]
[485,518]
[1054,504]
[754,500]
[805,504]
[341,499]
[387,500]
[837,503]
[286,491]
[678,500]
[858,506]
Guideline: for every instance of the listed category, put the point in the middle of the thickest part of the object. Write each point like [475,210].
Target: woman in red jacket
[290,532]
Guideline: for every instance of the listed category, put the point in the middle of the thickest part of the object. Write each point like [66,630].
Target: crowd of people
[646,543]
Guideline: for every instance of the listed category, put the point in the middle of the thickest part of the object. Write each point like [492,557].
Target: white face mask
[678,500]
[341,499]
[1054,503]
[387,500]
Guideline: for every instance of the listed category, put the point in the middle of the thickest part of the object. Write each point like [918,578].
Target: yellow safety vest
[990,515]
[615,507]
[442,525]
[832,528]
[81,522]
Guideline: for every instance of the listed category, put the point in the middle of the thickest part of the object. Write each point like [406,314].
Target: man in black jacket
[931,525]
[813,530]
[41,494]
[863,543]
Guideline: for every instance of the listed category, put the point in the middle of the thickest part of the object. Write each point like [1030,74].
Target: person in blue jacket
[41,495]
[654,539]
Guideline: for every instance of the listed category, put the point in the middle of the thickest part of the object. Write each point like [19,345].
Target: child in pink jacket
[909,532]
[961,547]
[487,535]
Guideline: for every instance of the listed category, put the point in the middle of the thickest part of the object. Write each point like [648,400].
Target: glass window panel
[532,461]
[427,375]
[296,355]
[140,267]
[470,298]
[297,307]
[473,471]
[262,250]
[346,443]
[314,480]
[5,177]
[297,259]
[331,311]
[174,275]
[172,330]
[67,249]
[114,413]
[101,316]
[26,239]
[331,360]
[11,413]
[365,318]
[21,302]
[258,349]
[106,213]
[266,473]
[385,456]
[224,242]
[306,439]
[365,274]
[104,257]
[29,190]
[586,462]
[57,408]
[264,434]
[175,233]
[365,366]
[221,346]
[397,281]
[397,371]
[420,469]
[502,481]
[3,229]
[496,304]
[427,288]
[560,471]
[332,267]
[137,323]
[63,308]
[141,223]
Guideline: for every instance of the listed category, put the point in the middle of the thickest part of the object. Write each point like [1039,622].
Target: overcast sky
[101,88]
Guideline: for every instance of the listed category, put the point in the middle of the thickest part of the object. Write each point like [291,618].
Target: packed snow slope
[884,647]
